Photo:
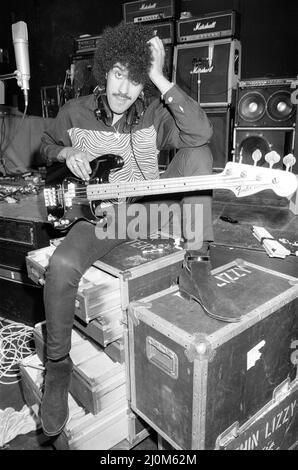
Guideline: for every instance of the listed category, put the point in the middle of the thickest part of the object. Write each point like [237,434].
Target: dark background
[269,36]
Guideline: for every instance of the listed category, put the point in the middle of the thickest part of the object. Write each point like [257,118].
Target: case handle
[162,357]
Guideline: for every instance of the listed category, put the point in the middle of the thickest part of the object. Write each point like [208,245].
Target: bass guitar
[69,199]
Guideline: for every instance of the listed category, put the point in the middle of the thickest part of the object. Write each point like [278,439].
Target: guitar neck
[161,186]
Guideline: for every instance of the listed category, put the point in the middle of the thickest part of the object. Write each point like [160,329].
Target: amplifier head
[165,31]
[148,11]
[218,25]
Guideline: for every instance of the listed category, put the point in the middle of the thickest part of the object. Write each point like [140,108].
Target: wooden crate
[83,431]
[193,377]
[98,293]
[101,331]
[115,350]
[109,336]
[94,331]
[135,268]
[115,427]
[97,380]
[141,269]
[130,271]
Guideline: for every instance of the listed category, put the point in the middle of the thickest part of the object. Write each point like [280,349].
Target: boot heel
[185,295]
[189,298]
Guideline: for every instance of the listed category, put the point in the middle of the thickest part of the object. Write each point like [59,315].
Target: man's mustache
[120,95]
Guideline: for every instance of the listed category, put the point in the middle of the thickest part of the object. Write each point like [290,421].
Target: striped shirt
[175,121]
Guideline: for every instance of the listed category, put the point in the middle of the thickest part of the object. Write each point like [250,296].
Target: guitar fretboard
[165,186]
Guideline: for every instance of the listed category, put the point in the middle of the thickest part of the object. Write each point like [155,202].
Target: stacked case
[129,272]
[84,430]
[97,381]
[208,384]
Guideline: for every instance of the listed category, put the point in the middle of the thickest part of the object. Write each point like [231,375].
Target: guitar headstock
[246,180]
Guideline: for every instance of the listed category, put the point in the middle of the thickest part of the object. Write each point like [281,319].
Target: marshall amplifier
[86,44]
[165,31]
[208,71]
[215,26]
[265,82]
[147,11]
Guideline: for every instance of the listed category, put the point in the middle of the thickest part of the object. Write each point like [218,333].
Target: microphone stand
[199,80]
[17,75]
[9,75]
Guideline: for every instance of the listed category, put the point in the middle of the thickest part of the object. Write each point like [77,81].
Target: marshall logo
[198,69]
[199,26]
[148,7]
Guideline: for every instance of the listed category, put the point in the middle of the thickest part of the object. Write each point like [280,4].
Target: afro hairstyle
[127,44]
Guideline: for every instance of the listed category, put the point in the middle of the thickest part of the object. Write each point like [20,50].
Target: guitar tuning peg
[256,156]
[272,158]
[289,161]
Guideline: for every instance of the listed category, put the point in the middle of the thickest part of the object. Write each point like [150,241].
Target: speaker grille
[246,141]
[252,106]
[279,106]
[249,145]
[265,106]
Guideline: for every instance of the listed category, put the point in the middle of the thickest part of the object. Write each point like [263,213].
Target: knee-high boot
[54,405]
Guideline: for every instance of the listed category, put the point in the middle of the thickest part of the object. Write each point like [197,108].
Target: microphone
[20,43]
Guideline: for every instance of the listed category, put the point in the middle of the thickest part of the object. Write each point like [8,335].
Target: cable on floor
[16,343]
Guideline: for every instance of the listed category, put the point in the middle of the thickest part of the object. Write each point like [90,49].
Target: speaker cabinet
[221,141]
[21,300]
[247,140]
[84,82]
[208,71]
[267,105]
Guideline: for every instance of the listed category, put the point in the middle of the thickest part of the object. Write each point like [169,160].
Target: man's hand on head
[77,161]
[158,59]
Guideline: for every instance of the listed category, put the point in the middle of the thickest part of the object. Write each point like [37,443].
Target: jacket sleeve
[181,122]
[56,137]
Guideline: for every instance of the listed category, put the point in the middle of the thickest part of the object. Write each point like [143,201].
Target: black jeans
[81,248]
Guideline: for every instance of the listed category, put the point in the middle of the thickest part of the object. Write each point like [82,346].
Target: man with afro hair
[114,119]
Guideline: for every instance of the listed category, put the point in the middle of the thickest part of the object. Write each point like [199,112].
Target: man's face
[121,91]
